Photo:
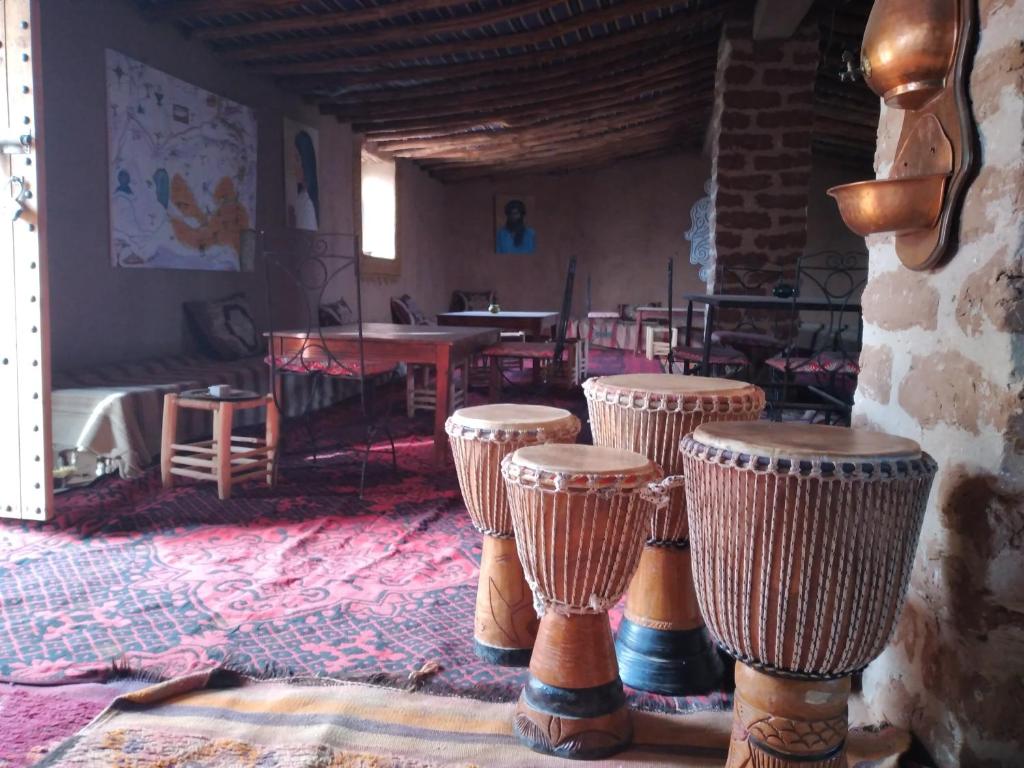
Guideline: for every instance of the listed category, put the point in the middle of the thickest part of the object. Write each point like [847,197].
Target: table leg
[441,401]
[639,332]
[168,436]
[709,322]
[494,393]
[223,417]
[273,435]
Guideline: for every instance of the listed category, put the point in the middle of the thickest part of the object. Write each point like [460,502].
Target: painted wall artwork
[301,181]
[182,171]
[513,233]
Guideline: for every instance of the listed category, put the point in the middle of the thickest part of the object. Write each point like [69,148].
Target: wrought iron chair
[311,269]
[820,363]
[555,361]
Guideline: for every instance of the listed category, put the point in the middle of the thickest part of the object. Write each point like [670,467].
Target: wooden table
[533,324]
[390,343]
[744,301]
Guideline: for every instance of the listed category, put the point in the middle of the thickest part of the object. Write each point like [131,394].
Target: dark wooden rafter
[185,9]
[576,70]
[679,71]
[700,21]
[575,24]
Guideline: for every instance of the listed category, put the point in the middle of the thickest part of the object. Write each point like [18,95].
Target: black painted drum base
[504,657]
[671,662]
[575,723]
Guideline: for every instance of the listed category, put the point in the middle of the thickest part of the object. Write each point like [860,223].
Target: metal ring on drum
[662,644]
[803,540]
[505,623]
[580,515]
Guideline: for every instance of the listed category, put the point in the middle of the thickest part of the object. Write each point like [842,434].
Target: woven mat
[219,719]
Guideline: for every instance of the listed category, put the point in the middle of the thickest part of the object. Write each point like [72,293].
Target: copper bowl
[891,205]
[908,49]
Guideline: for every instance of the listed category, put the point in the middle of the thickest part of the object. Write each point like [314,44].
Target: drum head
[671,384]
[582,460]
[511,416]
[807,442]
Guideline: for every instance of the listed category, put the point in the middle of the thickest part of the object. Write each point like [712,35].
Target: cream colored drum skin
[505,623]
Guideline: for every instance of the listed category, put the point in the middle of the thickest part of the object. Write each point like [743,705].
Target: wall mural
[702,253]
[301,179]
[182,171]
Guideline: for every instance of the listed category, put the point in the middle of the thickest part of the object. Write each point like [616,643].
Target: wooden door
[26,455]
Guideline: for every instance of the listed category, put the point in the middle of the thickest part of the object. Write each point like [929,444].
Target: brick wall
[942,364]
[761,150]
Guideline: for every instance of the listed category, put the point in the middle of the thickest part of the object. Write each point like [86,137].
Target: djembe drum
[662,643]
[580,514]
[505,623]
[803,539]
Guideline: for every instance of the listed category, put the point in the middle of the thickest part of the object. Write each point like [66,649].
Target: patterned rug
[302,579]
[220,720]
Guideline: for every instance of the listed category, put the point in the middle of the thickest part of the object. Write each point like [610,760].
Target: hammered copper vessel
[891,205]
[908,50]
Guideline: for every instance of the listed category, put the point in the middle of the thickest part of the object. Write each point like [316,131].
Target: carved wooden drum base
[781,722]
[662,644]
[573,704]
[506,621]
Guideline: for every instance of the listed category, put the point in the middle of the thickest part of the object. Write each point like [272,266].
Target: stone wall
[942,363]
[761,149]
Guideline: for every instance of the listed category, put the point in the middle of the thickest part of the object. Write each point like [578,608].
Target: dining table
[440,346]
[535,324]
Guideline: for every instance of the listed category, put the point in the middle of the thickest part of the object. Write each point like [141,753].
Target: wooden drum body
[580,515]
[662,644]
[803,540]
[505,624]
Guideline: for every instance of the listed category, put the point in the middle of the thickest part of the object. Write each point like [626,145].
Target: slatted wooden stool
[226,459]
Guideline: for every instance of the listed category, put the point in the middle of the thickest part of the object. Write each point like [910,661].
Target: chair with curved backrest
[420,387]
[306,277]
[820,363]
[556,361]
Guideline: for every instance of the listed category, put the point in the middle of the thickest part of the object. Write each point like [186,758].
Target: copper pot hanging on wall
[908,49]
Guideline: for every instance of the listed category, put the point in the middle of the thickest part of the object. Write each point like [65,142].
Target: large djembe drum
[662,644]
[580,515]
[803,540]
[505,623]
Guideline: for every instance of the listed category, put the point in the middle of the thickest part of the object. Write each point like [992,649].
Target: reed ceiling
[478,88]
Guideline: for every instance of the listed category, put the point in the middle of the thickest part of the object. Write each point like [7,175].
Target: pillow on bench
[224,328]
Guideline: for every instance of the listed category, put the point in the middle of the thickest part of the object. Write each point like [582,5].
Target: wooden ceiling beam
[548,110]
[535,80]
[499,72]
[692,23]
[627,149]
[192,9]
[533,99]
[680,111]
[548,33]
[342,39]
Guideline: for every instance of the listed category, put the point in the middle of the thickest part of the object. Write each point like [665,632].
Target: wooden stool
[227,458]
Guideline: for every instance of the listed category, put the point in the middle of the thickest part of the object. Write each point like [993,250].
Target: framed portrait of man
[301,182]
[512,230]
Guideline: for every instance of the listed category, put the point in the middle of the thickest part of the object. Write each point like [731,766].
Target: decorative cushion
[328,366]
[824,362]
[405,311]
[224,328]
[468,301]
[720,355]
[336,313]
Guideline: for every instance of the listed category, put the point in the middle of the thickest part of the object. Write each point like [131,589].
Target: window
[378,213]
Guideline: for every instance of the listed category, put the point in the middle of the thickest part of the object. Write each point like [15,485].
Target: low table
[226,459]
